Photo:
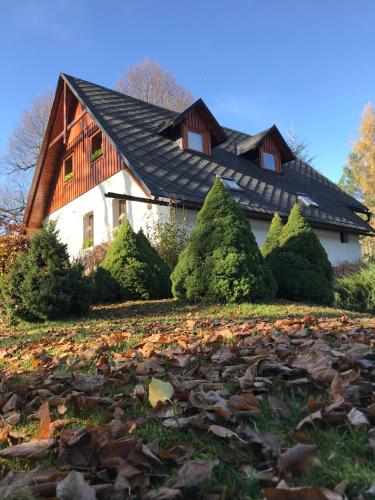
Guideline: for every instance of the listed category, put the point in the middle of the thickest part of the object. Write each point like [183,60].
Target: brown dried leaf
[194,472]
[44,431]
[34,449]
[294,458]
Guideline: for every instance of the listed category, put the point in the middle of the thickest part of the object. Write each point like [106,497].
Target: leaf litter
[213,378]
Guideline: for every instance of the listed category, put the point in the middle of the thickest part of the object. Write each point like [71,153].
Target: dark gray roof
[167,171]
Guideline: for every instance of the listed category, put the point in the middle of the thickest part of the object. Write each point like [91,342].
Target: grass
[342,451]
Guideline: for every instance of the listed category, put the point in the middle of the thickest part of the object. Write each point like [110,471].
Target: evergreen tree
[300,263]
[132,269]
[43,284]
[273,235]
[222,261]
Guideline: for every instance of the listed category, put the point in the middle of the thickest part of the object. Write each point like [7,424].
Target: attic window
[306,200]
[195,141]
[96,146]
[269,161]
[229,183]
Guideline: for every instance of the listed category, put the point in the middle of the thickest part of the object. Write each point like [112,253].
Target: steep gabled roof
[165,171]
[217,132]
[255,141]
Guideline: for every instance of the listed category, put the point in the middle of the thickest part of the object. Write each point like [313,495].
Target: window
[119,212]
[96,146]
[306,200]
[229,183]
[344,237]
[68,169]
[269,161]
[195,141]
[88,230]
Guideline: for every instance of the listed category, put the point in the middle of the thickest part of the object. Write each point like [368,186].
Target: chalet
[107,156]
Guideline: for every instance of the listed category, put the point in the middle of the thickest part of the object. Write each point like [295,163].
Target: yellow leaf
[159,391]
[36,362]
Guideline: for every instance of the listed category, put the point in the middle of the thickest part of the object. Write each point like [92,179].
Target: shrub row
[356,290]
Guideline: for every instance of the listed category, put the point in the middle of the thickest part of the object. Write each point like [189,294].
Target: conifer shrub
[131,270]
[222,261]
[42,283]
[356,291]
[273,235]
[300,264]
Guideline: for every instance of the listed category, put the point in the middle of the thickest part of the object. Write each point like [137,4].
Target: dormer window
[230,183]
[306,200]
[195,141]
[269,161]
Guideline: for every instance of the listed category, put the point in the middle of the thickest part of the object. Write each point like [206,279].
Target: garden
[223,371]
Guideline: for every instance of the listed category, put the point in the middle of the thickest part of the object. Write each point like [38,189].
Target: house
[107,156]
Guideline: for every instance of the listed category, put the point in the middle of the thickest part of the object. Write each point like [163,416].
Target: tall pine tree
[222,261]
[273,235]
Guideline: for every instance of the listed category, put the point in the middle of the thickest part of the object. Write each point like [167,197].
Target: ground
[254,397]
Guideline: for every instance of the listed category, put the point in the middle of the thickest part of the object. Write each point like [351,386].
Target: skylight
[306,200]
[229,183]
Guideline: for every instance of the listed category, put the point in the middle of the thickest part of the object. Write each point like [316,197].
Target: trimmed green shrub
[131,270]
[222,261]
[273,235]
[42,283]
[300,264]
[356,291]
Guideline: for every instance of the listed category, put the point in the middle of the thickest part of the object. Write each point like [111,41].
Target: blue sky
[255,63]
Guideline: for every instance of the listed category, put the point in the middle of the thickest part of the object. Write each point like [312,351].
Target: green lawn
[116,332]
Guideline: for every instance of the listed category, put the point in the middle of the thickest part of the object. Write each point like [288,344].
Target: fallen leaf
[44,431]
[74,486]
[294,458]
[223,432]
[159,391]
[194,472]
[302,493]
[34,449]
[357,418]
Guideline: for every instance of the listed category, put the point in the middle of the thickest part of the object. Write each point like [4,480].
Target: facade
[107,157]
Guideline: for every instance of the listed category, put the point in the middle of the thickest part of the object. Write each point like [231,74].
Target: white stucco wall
[70,219]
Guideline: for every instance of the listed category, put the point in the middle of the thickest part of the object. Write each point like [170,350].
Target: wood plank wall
[86,174]
[270,146]
[196,123]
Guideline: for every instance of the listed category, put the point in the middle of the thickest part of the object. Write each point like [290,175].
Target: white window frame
[307,200]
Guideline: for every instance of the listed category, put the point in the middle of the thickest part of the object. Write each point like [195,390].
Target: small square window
[269,161]
[96,146]
[229,183]
[307,200]
[68,169]
[344,237]
[195,141]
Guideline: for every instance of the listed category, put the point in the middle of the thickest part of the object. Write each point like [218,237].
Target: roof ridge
[122,94]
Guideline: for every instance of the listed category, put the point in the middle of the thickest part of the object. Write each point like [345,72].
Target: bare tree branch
[299,146]
[150,82]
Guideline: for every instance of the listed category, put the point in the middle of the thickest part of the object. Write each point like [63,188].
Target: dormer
[196,127]
[268,149]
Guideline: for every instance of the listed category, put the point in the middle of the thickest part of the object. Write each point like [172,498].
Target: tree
[20,158]
[42,283]
[348,181]
[151,83]
[299,146]
[273,235]
[131,270]
[300,264]
[361,161]
[222,261]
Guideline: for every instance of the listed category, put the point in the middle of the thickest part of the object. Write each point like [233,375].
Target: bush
[222,261]
[42,283]
[356,291]
[273,235]
[169,238]
[14,241]
[300,264]
[348,267]
[91,258]
[131,270]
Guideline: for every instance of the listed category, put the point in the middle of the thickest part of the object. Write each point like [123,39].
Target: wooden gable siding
[86,174]
[195,122]
[271,145]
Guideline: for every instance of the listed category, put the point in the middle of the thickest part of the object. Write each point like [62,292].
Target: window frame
[68,176]
[307,200]
[276,156]
[225,180]
[92,152]
[201,134]
[88,230]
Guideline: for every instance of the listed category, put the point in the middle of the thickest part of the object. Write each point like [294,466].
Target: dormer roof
[256,141]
